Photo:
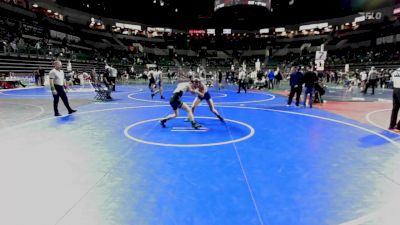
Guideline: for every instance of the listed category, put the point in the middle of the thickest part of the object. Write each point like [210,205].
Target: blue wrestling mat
[268,164]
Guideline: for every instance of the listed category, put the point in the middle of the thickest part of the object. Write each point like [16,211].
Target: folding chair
[101,92]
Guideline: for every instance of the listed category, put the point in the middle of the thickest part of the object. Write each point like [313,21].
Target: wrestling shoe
[162,122]
[196,125]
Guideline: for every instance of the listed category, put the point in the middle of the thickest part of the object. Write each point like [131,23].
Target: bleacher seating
[24,66]
[93,47]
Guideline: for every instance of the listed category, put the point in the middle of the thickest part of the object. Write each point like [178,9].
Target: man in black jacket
[296,82]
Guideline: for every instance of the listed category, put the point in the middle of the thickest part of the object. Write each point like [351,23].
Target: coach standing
[309,80]
[57,83]
[396,100]
[296,85]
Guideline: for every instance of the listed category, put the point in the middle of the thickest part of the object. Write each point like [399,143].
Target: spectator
[242,81]
[107,83]
[278,77]
[41,75]
[364,77]
[4,45]
[125,77]
[95,76]
[36,75]
[69,79]
[271,78]
[38,48]
[259,82]
[21,45]
[13,46]
[69,66]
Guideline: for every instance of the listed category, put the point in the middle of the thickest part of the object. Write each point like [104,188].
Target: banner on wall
[61,35]
[388,39]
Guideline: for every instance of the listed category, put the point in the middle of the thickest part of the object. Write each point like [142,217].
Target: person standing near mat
[271,78]
[198,85]
[310,78]
[220,85]
[36,74]
[41,75]
[107,83]
[242,81]
[159,82]
[57,83]
[152,84]
[176,104]
[394,125]
[278,77]
[296,82]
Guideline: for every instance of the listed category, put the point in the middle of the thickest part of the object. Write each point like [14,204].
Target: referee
[394,125]
[113,73]
[57,83]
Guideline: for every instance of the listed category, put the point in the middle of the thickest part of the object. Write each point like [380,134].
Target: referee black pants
[395,110]
[371,83]
[60,94]
[112,80]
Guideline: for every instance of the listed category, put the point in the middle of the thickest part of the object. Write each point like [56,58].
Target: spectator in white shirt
[364,77]
[242,81]
[13,45]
